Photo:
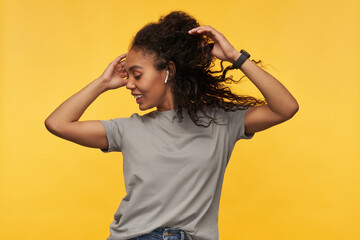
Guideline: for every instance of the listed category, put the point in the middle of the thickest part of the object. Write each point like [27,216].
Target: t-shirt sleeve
[237,125]
[115,129]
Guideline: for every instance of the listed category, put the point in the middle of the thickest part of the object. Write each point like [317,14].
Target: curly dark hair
[194,86]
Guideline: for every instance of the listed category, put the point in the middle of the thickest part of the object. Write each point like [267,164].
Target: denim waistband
[162,229]
[168,231]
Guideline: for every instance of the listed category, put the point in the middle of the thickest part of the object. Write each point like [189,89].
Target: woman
[174,169]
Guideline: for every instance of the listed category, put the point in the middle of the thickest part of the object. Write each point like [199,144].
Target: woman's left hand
[222,48]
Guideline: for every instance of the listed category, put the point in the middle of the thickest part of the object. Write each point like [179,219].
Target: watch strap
[244,55]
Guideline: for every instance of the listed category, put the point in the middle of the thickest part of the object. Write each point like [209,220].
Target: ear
[172,69]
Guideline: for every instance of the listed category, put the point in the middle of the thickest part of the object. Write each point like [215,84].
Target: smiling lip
[139,99]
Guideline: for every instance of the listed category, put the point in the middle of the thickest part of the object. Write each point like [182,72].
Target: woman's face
[144,79]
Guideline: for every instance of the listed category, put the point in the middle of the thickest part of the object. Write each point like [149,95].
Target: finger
[194,31]
[119,58]
[200,27]
[122,55]
[122,64]
[123,75]
[207,30]
[121,67]
[209,34]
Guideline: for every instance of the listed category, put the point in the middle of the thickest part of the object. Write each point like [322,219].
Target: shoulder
[136,117]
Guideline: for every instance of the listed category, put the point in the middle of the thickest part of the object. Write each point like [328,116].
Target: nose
[130,85]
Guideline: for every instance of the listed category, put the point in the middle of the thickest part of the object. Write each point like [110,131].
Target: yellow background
[297,180]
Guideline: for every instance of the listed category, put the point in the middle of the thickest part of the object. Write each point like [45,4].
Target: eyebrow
[133,67]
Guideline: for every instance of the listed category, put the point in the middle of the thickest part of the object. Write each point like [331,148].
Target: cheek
[154,86]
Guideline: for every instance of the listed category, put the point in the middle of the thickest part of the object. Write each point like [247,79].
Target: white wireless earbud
[167,75]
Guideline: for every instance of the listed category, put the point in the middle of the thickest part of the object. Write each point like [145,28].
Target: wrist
[235,57]
[241,59]
[101,85]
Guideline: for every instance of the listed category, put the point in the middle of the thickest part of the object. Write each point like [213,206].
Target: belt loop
[166,233]
[182,234]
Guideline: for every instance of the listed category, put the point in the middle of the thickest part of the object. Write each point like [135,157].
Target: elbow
[50,126]
[287,112]
[296,108]
[293,111]
[47,125]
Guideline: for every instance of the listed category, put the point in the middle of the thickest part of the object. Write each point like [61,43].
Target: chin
[142,108]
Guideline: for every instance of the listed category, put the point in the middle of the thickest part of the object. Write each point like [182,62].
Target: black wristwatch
[244,55]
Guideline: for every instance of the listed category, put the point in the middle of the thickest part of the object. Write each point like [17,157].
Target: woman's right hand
[114,75]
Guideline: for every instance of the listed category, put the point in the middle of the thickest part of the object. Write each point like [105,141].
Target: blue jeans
[163,233]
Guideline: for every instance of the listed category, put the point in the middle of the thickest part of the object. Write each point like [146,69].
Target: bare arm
[279,99]
[73,108]
[63,122]
[281,104]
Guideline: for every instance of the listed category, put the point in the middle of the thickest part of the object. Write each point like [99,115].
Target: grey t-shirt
[173,171]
